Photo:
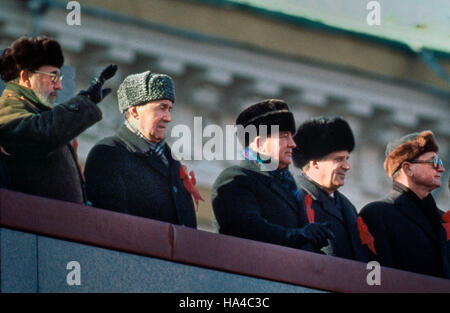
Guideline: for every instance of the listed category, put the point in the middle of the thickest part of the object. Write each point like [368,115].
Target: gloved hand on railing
[317,234]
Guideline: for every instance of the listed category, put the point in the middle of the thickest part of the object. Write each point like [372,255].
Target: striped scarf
[158,149]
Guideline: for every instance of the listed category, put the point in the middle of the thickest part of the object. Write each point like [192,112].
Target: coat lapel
[175,166]
[350,216]
[276,188]
[140,147]
[318,195]
[408,208]
[349,213]
[156,163]
[273,185]
[445,248]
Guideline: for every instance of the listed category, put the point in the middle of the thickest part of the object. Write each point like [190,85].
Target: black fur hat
[28,53]
[318,137]
[267,112]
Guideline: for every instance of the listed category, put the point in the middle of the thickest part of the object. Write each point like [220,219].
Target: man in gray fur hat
[133,171]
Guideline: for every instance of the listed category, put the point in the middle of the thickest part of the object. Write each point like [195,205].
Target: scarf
[158,149]
[27,93]
[282,176]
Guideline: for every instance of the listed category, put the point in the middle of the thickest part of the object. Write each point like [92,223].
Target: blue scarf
[282,176]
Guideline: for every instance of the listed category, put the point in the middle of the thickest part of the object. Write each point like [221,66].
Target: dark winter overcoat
[408,233]
[37,154]
[124,175]
[251,204]
[342,216]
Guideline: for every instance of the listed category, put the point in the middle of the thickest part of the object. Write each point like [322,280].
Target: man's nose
[168,117]
[346,165]
[291,142]
[58,85]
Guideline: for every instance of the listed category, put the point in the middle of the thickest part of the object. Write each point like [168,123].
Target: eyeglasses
[55,77]
[436,162]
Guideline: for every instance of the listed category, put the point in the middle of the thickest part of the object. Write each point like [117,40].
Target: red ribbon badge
[189,183]
[365,235]
[75,145]
[75,148]
[309,209]
[2,150]
[446,225]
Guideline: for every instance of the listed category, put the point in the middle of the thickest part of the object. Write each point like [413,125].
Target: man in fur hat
[133,171]
[260,202]
[323,147]
[409,231]
[35,134]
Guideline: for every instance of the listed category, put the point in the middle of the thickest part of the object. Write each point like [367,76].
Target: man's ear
[406,167]
[24,78]
[263,145]
[134,112]
[314,163]
[255,145]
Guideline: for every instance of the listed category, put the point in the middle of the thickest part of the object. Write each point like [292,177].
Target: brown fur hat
[408,148]
[28,53]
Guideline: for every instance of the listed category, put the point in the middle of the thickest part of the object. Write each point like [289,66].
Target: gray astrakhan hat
[138,89]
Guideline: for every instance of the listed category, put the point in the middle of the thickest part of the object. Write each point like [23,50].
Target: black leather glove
[316,233]
[95,91]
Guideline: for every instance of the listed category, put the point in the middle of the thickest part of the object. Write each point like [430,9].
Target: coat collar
[140,147]
[134,143]
[349,215]
[252,166]
[320,195]
[406,202]
[26,95]
[310,187]
[269,180]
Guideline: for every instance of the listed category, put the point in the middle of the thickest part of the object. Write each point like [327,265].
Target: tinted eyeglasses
[436,162]
[55,77]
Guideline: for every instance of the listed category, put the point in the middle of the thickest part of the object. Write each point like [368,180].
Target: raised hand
[95,91]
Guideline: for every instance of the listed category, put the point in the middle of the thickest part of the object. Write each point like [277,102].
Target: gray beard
[44,99]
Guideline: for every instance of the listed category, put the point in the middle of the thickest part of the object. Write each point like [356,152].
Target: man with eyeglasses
[409,231]
[36,134]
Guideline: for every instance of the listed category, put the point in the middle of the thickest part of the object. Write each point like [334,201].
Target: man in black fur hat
[408,230]
[257,200]
[35,134]
[323,146]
